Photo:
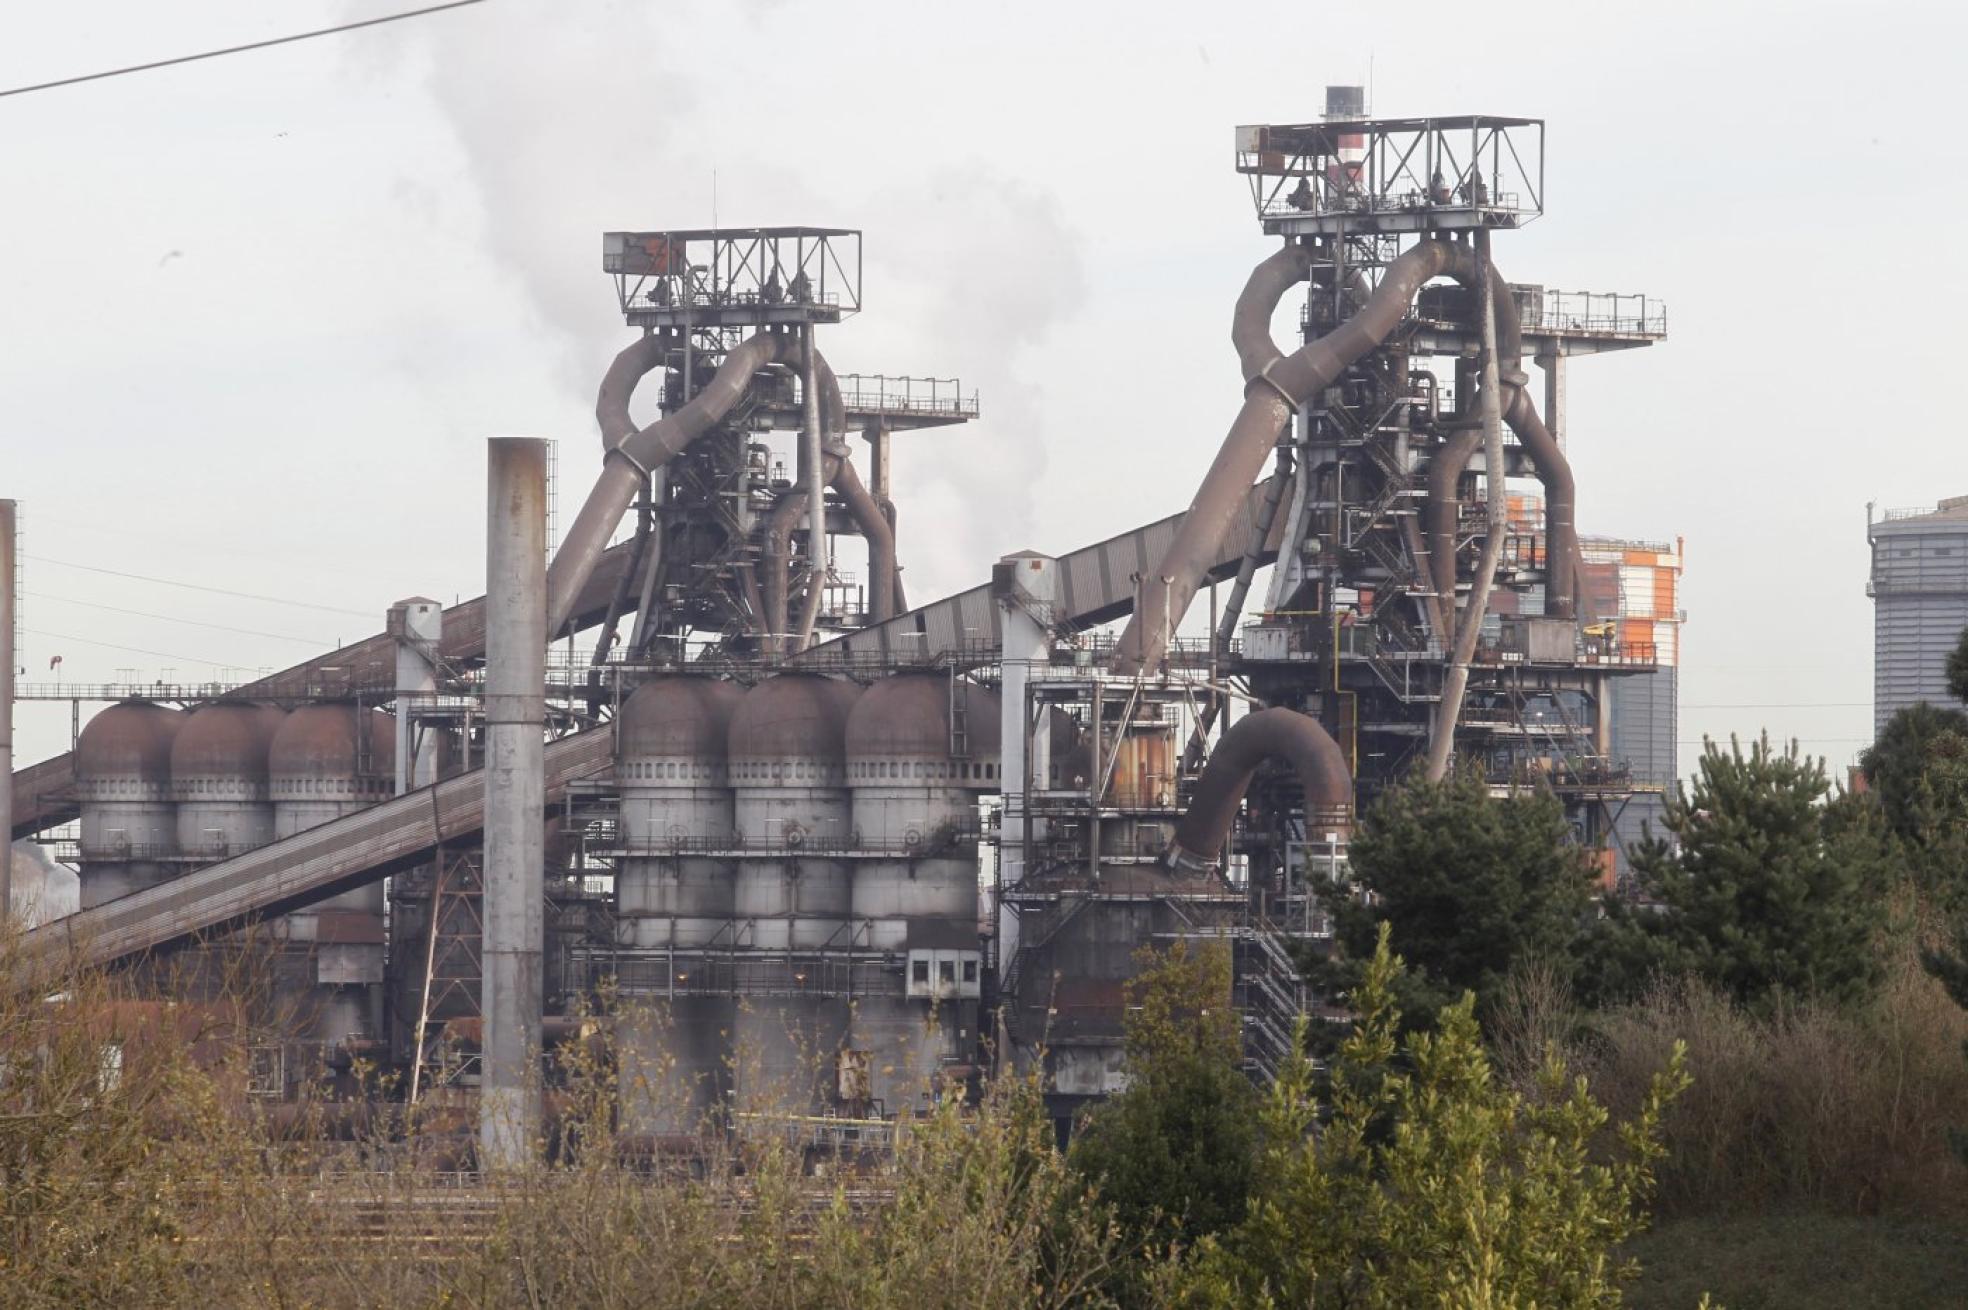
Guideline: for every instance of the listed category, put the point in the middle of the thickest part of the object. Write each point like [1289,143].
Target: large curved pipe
[867,515]
[1275,386]
[1268,734]
[633,453]
[1553,469]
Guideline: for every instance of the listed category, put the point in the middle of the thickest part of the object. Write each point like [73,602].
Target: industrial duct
[1553,470]
[633,453]
[1268,734]
[837,472]
[1275,385]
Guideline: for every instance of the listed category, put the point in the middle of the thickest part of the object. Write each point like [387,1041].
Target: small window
[946,971]
[970,971]
[1944,550]
[919,971]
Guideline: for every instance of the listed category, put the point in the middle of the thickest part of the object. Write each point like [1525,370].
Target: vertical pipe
[418,626]
[816,477]
[1442,744]
[7,601]
[515,800]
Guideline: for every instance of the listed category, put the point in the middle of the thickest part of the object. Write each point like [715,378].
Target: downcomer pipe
[837,471]
[1470,628]
[515,799]
[1275,386]
[1519,412]
[633,453]
[1268,734]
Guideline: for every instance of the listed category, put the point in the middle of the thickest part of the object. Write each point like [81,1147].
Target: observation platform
[707,278]
[1353,176]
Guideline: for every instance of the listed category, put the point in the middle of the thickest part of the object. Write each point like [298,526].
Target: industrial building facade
[1919,590]
[771,787]
[1637,586]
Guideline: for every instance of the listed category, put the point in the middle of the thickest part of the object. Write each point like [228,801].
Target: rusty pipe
[841,476]
[1275,386]
[875,529]
[1278,734]
[634,455]
[1553,469]
[1456,681]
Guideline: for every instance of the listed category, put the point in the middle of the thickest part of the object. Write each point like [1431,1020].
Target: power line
[172,618]
[193,586]
[236,49]
[135,650]
[1785,705]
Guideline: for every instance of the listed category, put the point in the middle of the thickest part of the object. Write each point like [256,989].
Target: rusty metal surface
[226,742]
[681,717]
[43,792]
[1095,586]
[909,716]
[306,868]
[794,715]
[324,742]
[128,743]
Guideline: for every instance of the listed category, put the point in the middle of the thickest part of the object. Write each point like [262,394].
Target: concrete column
[879,443]
[1553,364]
[515,800]
[7,603]
[418,626]
[1024,587]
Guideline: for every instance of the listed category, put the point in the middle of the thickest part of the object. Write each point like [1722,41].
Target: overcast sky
[262,311]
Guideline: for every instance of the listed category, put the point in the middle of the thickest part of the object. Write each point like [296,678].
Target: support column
[8,600]
[515,801]
[1552,361]
[1024,588]
[417,625]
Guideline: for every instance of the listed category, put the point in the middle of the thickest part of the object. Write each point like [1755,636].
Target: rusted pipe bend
[1268,734]
[1292,379]
[1521,416]
[641,450]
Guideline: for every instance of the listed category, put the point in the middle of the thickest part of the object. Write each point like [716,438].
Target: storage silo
[219,779]
[326,760]
[921,748]
[129,828]
[673,902]
[791,806]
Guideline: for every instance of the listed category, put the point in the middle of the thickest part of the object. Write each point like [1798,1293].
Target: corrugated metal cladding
[1095,583]
[1645,735]
[1919,588]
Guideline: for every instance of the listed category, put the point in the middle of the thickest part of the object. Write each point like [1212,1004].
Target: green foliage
[1957,669]
[1898,764]
[1431,1182]
[1767,889]
[986,1213]
[1173,1154]
[1471,885]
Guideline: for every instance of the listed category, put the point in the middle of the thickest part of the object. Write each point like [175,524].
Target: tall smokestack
[7,601]
[515,799]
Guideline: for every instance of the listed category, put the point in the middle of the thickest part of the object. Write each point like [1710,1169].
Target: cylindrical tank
[671,776]
[219,779]
[326,760]
[129,828]
[787,759]
[921,748]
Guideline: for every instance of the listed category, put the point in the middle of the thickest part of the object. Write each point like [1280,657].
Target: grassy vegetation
[1803,1262]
